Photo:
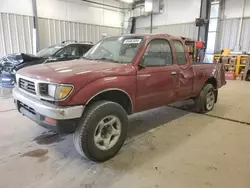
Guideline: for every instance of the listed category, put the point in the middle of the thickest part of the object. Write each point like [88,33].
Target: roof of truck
[148,35]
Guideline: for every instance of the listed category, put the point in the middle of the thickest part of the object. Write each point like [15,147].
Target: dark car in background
[67,50]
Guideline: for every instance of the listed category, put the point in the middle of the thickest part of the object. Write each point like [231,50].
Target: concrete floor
[167,147]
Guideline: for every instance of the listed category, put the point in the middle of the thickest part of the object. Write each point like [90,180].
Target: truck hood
[77,72]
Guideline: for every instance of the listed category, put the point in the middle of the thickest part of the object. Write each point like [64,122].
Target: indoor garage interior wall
[183,29]
[232,13]
[15,33]
[19,39]
[229,32]
[55,31]
[172,21]
[58,20]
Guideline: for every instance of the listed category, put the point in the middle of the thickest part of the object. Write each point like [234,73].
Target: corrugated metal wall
[245,37]
[185,29]
[16,32]
[56,31]
[229,32]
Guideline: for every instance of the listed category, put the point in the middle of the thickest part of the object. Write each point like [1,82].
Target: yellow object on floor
[226,51]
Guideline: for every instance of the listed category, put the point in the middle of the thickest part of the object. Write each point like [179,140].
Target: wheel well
[116,96]
[212,81]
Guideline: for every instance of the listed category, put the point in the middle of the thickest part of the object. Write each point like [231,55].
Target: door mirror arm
[141,66]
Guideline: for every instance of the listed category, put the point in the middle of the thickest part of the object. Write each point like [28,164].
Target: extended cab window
[158,53]
[180,53]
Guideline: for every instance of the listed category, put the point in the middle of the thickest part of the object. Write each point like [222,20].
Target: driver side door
[157,79]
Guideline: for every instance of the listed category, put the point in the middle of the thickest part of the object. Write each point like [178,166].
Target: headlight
[59,92]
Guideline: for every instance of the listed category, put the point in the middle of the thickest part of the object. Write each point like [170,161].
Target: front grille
[27,85]
[43,88]
[31,110]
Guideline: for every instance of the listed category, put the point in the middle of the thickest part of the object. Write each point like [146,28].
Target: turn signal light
[50,121]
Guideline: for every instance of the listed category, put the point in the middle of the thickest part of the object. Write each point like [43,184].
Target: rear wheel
[205,101]
[102,131]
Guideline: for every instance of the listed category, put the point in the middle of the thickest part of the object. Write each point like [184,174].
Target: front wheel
[102,131]
[205,101]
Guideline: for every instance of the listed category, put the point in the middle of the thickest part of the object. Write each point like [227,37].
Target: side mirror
[141,63]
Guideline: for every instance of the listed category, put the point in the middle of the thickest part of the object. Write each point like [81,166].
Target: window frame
[183,45]
[171,52]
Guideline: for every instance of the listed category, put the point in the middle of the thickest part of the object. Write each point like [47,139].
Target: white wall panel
[15,34]
[245,37]
[70,10]
[79,11]
[23,7]
[56,31]
[234,8]
[185,29]
[175,12]
[229,31]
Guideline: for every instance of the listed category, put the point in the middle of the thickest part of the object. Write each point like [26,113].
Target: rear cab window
[180,52]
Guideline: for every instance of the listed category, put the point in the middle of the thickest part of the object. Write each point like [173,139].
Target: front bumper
[64,118]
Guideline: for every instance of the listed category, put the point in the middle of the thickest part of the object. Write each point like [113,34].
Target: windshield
[116,49]
[48,52]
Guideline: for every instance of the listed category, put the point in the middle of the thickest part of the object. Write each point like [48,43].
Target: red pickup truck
[120,75]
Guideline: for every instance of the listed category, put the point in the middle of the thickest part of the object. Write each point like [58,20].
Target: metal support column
[203,30]
[35,33]
[151,22]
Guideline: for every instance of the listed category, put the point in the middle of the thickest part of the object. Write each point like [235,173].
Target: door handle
[173,73]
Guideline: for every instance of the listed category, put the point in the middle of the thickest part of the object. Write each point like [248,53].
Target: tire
[93,123]
[202,101]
